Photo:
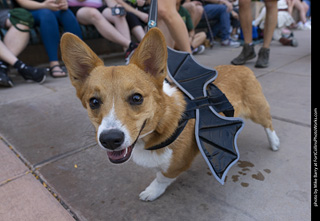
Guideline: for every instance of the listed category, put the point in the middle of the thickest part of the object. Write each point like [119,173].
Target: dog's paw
[151,193]
[273,139]
[156,188]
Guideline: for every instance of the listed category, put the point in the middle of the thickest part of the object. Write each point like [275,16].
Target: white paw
[151,193]
[156,188]
[273,139]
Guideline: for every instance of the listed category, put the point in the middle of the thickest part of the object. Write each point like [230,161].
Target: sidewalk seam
[37,175]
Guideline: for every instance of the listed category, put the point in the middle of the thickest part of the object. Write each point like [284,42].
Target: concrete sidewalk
[51,168]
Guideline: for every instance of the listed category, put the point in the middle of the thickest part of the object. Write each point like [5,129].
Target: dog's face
[123,102]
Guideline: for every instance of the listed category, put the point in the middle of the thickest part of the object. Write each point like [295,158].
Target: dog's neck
[168,120]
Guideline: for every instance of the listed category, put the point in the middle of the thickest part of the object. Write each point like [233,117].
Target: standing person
[248,52]
[48,14]
[170,20]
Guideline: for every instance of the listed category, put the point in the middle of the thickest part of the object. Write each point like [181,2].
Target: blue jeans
[49,21]
[308,3]
[219,12]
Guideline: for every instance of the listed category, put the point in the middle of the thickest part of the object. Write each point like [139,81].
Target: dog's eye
[94,103]
[136,99]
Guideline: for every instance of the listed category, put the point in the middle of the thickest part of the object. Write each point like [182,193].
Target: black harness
[215,135]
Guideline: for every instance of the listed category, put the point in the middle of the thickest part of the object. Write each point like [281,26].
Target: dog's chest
[148,158]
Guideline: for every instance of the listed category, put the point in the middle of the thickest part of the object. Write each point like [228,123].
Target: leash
[153,14]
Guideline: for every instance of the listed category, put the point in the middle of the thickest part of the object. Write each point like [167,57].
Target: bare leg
[16,40]
[7,55]
[168,13]
[270,23]
[246,20]
[92,16]
[119,22]
[138,32]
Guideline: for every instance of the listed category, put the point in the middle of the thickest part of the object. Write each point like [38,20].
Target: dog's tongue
[120,156]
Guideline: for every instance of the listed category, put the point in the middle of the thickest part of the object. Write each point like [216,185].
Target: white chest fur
[151,159]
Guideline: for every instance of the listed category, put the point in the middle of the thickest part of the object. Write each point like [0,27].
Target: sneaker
[307,25]
[263,58]
[129,51]
[289,41]
[199,50]
[246,54]
[33,74]
[5,80]
[231,43]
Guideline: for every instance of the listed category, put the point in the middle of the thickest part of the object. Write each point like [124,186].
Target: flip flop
[59,76]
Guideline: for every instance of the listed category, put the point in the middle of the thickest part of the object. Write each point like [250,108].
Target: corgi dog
[132,107]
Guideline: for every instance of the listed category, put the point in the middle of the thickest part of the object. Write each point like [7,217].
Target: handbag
[21,16]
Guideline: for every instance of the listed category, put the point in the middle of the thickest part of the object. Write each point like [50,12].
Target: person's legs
[135,26]
[91,16]
[245,15]
[49,31]
[69,22]
[219,12]
[246,20]
[169,15]
[120,23]
[195,11]
[269,26]
[270,22]
[6,55]
[50,35]
[16,40]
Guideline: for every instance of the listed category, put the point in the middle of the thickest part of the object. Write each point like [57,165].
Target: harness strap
[215,99]
[182,124]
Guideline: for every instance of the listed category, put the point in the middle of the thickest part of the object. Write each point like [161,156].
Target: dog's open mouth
[120,156]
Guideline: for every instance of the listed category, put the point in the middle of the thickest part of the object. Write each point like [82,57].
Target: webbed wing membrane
[216,135]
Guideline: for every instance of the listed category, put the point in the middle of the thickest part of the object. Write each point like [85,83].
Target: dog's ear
[79,59]
[151,55]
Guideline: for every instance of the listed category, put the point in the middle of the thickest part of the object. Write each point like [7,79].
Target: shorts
[4,15]
[75,9]
[134,21]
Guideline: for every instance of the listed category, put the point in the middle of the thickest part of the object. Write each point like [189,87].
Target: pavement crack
[60,157]
[291,121]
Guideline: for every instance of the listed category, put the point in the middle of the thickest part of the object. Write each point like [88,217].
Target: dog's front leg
[156,188]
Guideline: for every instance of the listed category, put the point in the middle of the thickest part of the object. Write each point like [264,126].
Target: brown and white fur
[133,108]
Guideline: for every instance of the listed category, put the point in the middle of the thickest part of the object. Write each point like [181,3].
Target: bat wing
[216,135]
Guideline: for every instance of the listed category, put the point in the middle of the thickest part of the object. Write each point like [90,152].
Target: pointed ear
[151,55]
[79,59]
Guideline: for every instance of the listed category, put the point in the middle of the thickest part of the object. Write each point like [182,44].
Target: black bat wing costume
[216,135]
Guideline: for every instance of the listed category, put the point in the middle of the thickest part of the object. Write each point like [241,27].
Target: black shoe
[263,58]
[130,51]
[5,81]
[31,73]
[246,54]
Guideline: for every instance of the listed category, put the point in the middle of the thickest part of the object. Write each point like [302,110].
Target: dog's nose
[111,139]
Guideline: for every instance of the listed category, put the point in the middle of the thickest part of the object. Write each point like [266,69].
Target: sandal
[56,71]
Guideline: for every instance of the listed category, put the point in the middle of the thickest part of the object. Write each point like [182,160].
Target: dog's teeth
[126,152]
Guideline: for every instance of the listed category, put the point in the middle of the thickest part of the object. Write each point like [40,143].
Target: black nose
[111,139]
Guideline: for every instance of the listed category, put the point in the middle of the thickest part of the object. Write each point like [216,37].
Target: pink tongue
[117,155]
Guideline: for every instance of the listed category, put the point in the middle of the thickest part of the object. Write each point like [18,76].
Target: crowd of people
[118,20]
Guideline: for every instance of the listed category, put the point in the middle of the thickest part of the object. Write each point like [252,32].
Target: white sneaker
[231,43]
[199,50]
